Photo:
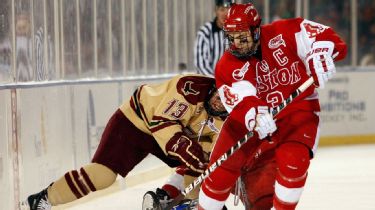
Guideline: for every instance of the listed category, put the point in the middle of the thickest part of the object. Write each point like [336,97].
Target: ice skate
[151,201]
[38,201]
[157,200]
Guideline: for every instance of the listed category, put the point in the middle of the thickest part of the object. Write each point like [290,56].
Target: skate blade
[150,201]
[24,205]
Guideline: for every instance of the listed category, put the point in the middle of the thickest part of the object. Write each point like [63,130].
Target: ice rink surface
[341,177]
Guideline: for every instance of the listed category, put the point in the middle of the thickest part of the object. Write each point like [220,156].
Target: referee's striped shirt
[209,47]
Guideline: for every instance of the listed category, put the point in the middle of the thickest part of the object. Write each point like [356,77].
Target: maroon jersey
[280,69]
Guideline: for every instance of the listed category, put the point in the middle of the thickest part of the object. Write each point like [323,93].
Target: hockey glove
[261,121]
[189,152]
[319,62]
[187,171]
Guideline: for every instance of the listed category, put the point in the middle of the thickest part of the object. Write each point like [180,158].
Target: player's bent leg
[293,160]
[174,185]
[72,186]
[207,203]
[171,188]
[259,183]
[76,184]
[216,188]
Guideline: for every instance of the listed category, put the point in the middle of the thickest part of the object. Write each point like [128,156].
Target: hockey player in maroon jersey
[177,121]
[262,66]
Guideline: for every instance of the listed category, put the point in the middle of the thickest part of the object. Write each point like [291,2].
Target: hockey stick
[275,110]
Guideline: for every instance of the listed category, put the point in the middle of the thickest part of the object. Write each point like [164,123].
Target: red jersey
[281,69]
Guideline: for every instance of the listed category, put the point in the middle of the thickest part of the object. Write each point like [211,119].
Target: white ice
[341,177]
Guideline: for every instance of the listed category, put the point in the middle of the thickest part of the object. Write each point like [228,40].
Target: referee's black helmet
[224,3]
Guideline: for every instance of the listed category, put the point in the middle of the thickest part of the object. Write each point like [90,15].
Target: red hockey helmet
[243,17]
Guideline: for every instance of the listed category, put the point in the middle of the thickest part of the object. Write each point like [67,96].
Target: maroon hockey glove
[184,170]
[189,152]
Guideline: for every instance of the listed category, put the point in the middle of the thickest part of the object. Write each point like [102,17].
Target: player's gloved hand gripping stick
[234,148]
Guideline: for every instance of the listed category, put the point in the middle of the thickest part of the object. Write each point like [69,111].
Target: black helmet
[209,109]
[224,3]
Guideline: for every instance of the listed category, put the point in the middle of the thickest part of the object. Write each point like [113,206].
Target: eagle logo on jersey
[230,98]
[276,42]
[313,30]
[187,89]
[238,74]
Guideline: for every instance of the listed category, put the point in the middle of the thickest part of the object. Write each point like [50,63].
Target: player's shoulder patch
[312,29]
[195,88]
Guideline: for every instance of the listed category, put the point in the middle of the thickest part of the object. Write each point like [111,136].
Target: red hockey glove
[187,151]
[319,62]
[261,121]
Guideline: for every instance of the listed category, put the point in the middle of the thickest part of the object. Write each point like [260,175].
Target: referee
[209,43]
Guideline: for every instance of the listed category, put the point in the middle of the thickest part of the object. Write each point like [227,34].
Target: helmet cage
[230,46]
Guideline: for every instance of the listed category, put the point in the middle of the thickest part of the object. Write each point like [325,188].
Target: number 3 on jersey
[275,98]
[176,109]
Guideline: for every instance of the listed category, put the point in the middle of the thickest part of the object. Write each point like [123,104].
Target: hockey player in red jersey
[262,66]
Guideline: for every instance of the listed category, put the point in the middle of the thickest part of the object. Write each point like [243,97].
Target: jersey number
[275,98]
[176,109]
